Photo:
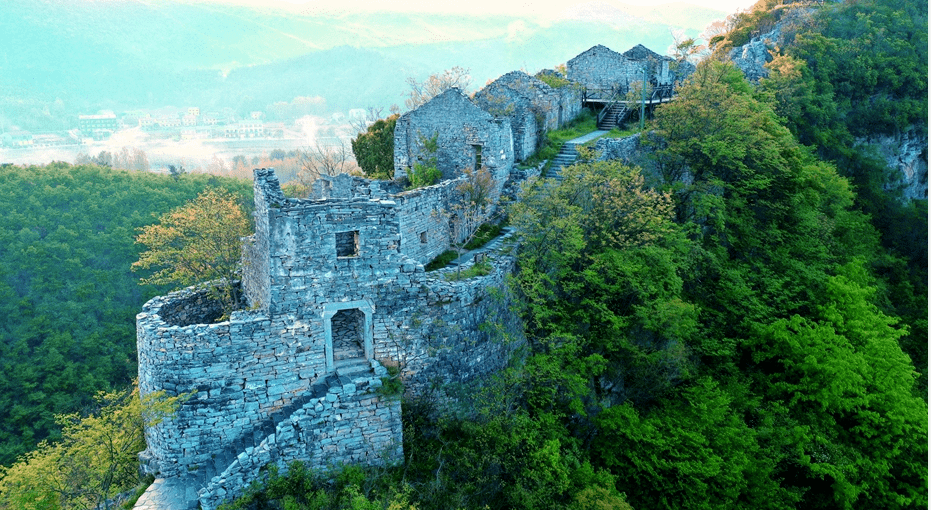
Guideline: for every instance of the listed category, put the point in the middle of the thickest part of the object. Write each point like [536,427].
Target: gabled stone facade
[532,106]
[601,70]
[467,137]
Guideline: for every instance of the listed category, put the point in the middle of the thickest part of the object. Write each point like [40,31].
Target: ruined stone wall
[532,106]
[346,421]
[466,329]
[256,262]
[242,370]
[462,130]
[570,103]
[501,100]
[424,220]
[600,68]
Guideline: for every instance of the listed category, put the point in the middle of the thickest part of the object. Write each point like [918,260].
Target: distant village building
[99,126]
[50,140]
[17,138]
[193,110]
[169,122]
[251,128]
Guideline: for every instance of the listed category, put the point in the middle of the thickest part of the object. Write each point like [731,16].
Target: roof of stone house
[520,82]
[598,48]
[641,52]
[439,98]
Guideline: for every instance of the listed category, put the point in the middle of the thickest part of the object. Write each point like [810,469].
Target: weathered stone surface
[601,70]
[532,106]
[467,137]
[337,295]
[906,152]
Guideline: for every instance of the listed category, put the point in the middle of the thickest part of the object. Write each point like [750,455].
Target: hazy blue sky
[546,9]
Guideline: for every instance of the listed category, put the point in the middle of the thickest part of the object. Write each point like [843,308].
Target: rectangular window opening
[347,244]
[478,156]
[423,237]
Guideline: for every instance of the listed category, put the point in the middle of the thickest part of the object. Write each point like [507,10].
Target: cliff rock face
[906,152]
[753,56]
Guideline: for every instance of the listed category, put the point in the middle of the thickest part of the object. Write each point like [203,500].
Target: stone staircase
[567,155]
[182,492]
[616,114]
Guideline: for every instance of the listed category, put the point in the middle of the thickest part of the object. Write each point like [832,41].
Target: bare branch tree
[325,160]
[372,113]
[435,85]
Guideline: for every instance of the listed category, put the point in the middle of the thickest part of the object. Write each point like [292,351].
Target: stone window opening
[347,244]
[347,329]
[423,237]
[478,156]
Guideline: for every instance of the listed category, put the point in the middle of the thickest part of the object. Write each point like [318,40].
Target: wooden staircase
[614,115]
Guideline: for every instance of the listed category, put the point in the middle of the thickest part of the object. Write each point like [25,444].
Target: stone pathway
[470,255]
[568,153]
[169,494]
[589,137]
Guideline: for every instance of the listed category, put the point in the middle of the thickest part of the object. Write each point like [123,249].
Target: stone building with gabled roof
[602,71]
[532,107]
[466,137]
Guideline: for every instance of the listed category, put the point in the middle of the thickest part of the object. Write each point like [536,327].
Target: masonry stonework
[601,70]
[467,137]
[532,106]
[338,291]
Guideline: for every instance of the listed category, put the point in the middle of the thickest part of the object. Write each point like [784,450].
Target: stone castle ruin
[337,294]
[602,71]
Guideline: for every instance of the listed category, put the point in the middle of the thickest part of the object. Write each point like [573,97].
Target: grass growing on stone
[478,269]
[486,232]
[391,386]
[442,260]
[583,124]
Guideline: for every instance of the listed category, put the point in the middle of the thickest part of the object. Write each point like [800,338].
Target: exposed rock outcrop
[906,152]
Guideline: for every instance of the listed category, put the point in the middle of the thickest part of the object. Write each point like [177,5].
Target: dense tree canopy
[67,296]
[374,149]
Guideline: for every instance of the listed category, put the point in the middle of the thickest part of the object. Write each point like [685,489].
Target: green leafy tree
[861,434]
[599,275]
[197,243]
[374,149]
[95,460]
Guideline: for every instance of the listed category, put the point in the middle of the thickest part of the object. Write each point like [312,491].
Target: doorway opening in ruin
[347,328]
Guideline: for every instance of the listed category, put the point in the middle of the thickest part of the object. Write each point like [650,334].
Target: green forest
[68,299]
[738,321]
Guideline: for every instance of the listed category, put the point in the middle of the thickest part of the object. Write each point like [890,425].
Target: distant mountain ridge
[61,59]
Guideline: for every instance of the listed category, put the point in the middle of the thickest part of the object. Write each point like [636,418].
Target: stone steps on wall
[181,492]
[346,372]
[567,155]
